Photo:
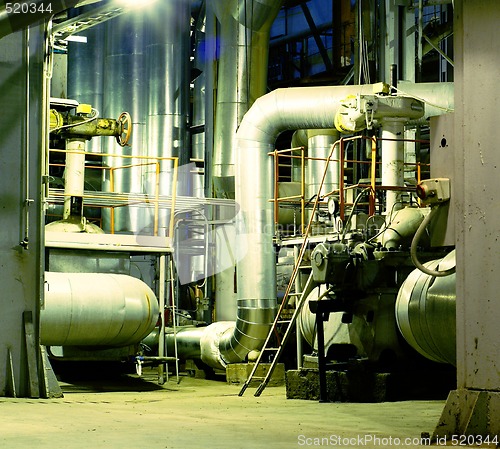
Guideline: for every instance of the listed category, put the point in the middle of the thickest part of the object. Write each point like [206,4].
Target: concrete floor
[196,413]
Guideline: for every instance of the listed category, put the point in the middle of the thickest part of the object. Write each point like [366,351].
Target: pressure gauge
[333,206]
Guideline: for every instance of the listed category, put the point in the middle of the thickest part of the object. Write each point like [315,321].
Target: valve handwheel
[125,127]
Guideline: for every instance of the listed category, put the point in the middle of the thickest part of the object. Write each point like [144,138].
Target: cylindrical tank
[82,309]
[320,143]
[426,312]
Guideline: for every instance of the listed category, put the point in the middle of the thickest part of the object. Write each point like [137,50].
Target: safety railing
[297,158]
[112,199]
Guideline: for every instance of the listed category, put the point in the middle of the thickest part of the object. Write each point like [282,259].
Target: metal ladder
[278,321]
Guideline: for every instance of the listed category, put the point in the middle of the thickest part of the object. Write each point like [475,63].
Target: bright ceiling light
[135,3]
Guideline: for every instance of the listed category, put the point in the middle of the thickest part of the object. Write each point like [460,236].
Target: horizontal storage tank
[96,309]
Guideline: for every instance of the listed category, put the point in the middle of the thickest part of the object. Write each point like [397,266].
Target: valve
[434,191]
[125,128]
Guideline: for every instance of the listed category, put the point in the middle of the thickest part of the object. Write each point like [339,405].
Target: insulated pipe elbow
[271,114]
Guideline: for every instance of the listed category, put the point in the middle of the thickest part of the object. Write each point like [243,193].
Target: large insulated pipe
[125,89]
[168,52]
[96,309]
[74,173]
[242,76]
[426,311]
[199,105]
[393,159]
[320,143]
[280,110]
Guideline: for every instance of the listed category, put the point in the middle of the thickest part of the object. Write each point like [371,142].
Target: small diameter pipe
[392,160]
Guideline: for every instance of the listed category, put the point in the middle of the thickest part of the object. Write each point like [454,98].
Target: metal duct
[242,76]
[426,312]
[280,110]
[198,119]
[168,87]
[439,98]
[393,159]
[125,86]
[96,309]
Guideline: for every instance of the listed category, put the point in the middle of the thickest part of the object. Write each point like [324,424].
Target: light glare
[135,4]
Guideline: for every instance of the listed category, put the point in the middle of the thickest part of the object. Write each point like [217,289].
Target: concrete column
[474,408]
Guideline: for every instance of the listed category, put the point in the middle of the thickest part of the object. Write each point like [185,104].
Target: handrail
[112,199]
[343,188]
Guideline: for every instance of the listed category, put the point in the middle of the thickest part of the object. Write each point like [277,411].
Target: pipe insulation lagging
[270,115]
[96,309]
[426,311]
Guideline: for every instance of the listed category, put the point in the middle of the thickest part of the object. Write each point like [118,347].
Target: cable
[386,225]
[423,100]
[414,244]
[351,213]
[93,117]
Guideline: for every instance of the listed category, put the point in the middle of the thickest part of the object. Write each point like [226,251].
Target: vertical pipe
[392,161]
[319,145]
[168,99]
[341,180]
[299,140]
[242,76]
[420,37]
[302,191]
[161,299]
[373,175]
[276,189]
[124,90]
[74,173]
[298,288]
[199,93]
[210,66]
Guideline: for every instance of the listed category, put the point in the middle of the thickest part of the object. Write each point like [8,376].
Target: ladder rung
[304,267]
[274,362]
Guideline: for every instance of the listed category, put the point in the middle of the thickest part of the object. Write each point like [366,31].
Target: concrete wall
[20,178]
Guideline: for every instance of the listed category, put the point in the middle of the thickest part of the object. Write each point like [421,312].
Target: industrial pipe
[242,76]
[280,110]
[393,159]
[74,173]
